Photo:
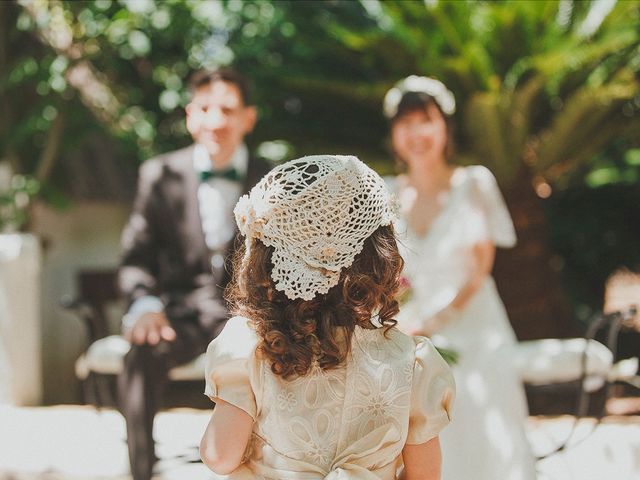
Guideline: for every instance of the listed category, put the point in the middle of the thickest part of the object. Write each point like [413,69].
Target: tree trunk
[530,288]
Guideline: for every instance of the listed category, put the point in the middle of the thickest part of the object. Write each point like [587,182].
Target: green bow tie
[230,174]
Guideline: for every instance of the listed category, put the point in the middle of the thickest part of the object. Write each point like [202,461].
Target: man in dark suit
[175,248]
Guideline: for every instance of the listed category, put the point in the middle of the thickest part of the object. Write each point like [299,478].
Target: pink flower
[405,290]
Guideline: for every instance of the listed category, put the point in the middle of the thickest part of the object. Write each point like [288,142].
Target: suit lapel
[256,169]
[184,197]
[190,225]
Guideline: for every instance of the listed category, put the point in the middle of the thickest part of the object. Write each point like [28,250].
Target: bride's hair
[294,334]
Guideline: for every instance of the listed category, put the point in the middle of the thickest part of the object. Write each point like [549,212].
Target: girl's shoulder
[236,340]
[417,347]
[391,343]
[425,351]
[240,327]
[230,369]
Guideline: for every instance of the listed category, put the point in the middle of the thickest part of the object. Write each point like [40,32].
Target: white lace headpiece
[432,87]
[316,212]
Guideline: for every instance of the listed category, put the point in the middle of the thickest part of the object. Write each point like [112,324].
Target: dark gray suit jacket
[164,248]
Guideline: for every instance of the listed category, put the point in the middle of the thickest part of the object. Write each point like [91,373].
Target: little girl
[311,379]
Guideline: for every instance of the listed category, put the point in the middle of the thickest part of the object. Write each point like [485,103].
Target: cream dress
[486,440]
[346,423]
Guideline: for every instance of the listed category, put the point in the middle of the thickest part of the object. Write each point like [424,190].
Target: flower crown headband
[415,84]
[316,212]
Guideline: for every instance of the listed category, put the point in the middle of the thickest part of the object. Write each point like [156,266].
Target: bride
[452,218]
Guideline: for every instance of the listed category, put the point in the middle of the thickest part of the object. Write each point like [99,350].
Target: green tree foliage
[526,74]
[547,90]
[543,88]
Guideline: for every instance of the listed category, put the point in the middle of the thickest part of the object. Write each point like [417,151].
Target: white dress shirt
[217,197]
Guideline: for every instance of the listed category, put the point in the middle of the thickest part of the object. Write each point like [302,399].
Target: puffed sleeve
[493,221]
[231,368]
[432,393]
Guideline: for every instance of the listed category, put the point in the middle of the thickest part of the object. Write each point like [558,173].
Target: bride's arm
[483,258]
[484,254]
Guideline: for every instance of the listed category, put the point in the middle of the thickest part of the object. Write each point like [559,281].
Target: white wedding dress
[486,439]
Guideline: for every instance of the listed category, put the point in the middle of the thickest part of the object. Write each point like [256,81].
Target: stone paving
[80,443]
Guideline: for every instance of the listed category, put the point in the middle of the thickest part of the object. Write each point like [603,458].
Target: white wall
[86,236]
[20,328]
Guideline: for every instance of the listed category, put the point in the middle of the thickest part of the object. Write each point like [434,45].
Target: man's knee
[145,358]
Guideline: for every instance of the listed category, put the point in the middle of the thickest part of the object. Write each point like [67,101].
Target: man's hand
[150,328]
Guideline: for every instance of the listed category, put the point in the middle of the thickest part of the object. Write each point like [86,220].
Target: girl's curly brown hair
[296,333]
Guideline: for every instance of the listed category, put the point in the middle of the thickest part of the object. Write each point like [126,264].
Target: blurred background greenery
[548,93]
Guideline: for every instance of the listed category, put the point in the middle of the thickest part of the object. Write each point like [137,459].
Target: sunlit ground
[70,442]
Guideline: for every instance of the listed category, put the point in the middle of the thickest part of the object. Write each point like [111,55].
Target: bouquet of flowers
[405,292]
[450,355]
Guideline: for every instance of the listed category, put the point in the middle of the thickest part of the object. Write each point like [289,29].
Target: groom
[175,248]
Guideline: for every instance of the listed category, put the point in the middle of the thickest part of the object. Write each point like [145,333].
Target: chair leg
[90,391]
[105,391]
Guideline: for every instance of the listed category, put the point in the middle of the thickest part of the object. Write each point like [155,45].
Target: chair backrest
[97,289]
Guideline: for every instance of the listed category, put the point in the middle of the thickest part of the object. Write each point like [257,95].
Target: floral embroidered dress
[345,423]
[486,440]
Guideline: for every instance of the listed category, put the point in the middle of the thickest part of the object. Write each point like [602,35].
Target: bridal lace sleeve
[231,367]
[493,221]
[432,393]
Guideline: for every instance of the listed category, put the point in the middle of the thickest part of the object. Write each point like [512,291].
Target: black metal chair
[580,369]
[100,308]
[97,303]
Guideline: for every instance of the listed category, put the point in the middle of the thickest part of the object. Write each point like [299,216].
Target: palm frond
[582,121]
